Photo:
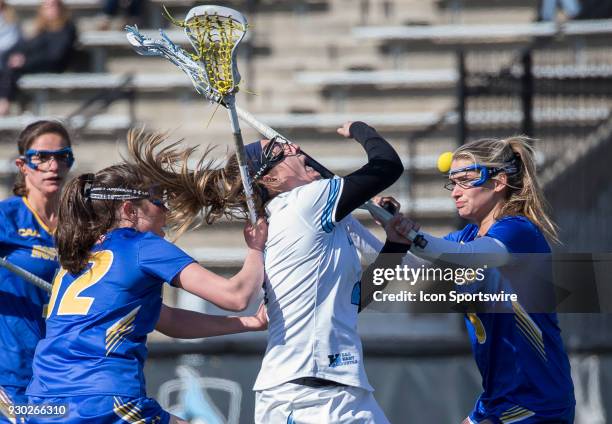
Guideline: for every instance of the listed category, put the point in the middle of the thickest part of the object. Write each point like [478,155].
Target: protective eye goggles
[41,158]
[484,174]
[271,155]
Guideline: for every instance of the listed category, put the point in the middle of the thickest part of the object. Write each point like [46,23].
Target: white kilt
[321,405]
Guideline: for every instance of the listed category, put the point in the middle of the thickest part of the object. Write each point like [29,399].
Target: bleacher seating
[434,78]
[73,4]
[417,78]
[101,124]
[103,81]
[483,33]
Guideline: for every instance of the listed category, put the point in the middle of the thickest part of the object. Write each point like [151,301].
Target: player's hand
[398,228]
[387,201]
[259,321]
[344,130]
[390,204]
[256,235]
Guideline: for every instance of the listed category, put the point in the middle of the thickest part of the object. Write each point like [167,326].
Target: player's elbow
[237,303]
[387,170]
[394,169]
[242,302]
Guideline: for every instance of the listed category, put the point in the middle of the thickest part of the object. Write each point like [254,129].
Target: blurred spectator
[48,51]
[133,9]
[547,9]
[10,32]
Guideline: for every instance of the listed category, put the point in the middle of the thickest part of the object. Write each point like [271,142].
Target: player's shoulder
[315,191]
[11,210]
[467,233]
[131,243]
[153,244]
[519,234]
[317,186]
[314,197]
[11,205]
[123,238]
[516,223]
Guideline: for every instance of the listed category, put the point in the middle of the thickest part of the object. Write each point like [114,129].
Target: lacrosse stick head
[138,42]
[214,33]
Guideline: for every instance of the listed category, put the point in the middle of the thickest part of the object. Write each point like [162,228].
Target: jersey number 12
[71,303]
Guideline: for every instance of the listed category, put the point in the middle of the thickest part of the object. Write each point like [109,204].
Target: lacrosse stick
[26,275]
[214,33]
[165,48]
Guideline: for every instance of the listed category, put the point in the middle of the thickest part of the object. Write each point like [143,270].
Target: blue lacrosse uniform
[525,370]
[26,242]
[92,358]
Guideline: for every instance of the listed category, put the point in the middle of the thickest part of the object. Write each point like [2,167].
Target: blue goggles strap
[510,167]
[63,151]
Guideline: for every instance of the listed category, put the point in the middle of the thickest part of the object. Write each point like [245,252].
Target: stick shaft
[241,157]
[26,275]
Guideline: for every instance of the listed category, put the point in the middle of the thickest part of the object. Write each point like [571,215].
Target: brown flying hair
[204,189]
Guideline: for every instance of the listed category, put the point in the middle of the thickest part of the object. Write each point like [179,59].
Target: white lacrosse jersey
[312,290]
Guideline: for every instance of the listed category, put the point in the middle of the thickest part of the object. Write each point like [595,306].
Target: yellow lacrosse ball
[444,162]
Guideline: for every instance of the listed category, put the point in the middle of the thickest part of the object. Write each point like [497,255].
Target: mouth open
[309,169]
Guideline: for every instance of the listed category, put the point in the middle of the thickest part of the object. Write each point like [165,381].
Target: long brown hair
[43,24]
[26,139]
[206,189]
[524,195]
[82,221]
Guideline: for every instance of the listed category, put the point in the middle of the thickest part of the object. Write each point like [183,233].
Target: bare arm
[235,292]
[231,293]
[184,324]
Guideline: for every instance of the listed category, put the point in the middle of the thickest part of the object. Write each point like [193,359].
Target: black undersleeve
[384,167]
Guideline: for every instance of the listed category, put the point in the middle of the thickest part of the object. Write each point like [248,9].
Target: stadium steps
[474,34]
[379,80]
[415,120]
[101,124]
[104,81]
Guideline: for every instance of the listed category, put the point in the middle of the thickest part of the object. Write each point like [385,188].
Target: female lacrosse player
[313,369]
[107,296]
[27,222]
[525,369]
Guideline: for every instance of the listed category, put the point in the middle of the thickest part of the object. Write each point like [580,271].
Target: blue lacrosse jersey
[26,242]
[99,319]
[525,369]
